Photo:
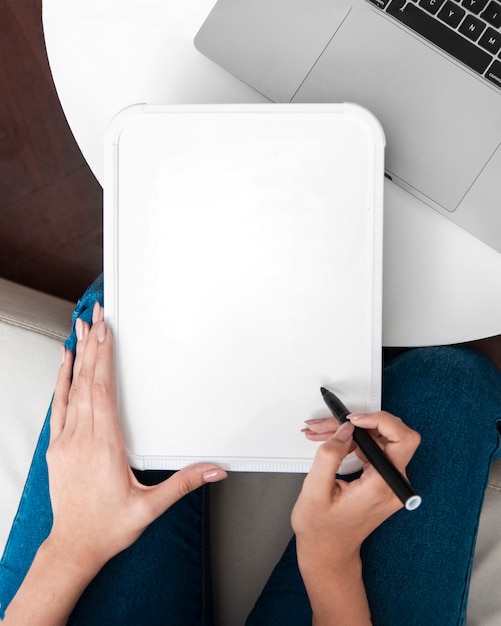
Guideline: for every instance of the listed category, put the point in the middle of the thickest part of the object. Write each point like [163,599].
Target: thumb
[162,496]
[322,476]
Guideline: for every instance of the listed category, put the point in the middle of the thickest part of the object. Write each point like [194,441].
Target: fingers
[320,429]
[83,382]
[103,392]
[321,479]
[60,400]
[162,496]
[82,330]
[78,399]
[399,441]
[96,400]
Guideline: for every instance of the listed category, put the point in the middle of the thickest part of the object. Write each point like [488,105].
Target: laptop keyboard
[469,30]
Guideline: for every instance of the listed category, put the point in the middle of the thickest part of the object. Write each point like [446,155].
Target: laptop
[429,70]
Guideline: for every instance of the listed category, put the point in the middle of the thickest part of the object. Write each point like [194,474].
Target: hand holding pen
[377,456]
[332,517]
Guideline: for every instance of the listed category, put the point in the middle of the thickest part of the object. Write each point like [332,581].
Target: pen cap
[413,502]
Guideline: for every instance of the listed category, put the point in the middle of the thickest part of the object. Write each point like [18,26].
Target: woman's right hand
[332,517]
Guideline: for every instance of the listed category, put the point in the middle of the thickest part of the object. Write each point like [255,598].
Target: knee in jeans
[444,376]
[445,364]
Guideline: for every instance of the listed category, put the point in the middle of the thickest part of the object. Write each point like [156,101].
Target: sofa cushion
[33,327]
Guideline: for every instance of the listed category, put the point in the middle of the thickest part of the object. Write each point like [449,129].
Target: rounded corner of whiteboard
[371,122]
[119,120]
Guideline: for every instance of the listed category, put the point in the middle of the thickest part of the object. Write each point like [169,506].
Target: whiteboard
[243,269]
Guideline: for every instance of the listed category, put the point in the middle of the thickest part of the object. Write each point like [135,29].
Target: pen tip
[323,390]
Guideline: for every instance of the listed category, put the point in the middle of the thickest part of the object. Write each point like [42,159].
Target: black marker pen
[374,454]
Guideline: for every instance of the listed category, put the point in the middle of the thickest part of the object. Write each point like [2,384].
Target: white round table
[441,285]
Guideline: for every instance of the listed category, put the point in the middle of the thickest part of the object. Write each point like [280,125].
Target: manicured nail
[96,312]
[63,354]
[344,432]
[353,417]
[214,475]
[315,420]
[79,329]
[101,332]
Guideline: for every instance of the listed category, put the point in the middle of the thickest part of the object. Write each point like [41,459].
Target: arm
[332,518]
[50,590]
[99,507]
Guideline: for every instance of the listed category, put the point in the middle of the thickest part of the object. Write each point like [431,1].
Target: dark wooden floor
[50,203]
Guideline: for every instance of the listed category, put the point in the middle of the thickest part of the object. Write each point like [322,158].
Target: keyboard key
[440,35]
[472,27]
[492,14]
[432,6]
[380,3]
[475,6]
[451,14]
[491,40]
[494,73]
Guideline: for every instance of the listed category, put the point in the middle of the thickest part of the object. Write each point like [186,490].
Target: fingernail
[353,417]
[214,475]
[101,332]
[79,329]
[63,354]
[96,312]
[315,420]
[344,432]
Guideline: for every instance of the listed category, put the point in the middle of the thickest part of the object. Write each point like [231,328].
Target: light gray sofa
[250,512]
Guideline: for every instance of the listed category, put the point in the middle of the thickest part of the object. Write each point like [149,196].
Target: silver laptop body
[441,118]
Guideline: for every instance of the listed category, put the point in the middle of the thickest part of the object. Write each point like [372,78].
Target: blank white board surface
[243,264]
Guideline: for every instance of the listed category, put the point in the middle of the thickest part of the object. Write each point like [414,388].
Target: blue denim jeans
[417,565]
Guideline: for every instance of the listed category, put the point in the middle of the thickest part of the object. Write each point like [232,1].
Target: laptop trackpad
[270,44]
[375,63]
